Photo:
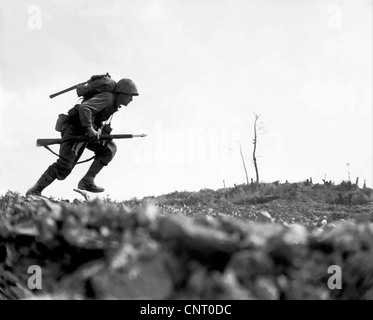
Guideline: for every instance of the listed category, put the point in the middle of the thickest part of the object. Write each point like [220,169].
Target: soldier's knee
[112,148]
[109,153]
[62,169]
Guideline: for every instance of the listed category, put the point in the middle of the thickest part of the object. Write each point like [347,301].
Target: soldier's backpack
[96,84]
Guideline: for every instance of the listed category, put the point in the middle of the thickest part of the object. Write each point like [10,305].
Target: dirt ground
[268,241]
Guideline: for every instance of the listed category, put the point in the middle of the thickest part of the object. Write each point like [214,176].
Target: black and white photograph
[186,154]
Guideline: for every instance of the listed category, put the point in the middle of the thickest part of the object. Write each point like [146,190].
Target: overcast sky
[203,68]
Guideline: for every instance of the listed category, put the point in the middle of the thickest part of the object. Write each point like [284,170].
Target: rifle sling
[56,154]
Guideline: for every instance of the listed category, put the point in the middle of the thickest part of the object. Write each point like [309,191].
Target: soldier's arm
[91,106]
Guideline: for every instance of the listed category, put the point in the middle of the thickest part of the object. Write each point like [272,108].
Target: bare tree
[257,116]
[244,165]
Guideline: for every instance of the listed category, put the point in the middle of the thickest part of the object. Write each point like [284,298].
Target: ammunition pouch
[73,111]
[106,129]
[62,122]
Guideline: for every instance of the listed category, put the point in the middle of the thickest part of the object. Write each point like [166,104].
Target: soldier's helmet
[126,86]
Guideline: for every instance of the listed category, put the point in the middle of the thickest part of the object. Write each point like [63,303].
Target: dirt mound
[100,250]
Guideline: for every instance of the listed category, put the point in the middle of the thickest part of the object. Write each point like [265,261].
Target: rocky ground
[268,241]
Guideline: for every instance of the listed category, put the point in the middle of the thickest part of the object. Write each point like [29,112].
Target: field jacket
[92,112]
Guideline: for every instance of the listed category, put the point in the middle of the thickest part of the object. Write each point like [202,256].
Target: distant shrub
[359,197]
[368,192]
[355,197]
[345,186]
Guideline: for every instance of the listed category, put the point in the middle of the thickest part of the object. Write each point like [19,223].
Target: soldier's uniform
[87,117]
[92,112]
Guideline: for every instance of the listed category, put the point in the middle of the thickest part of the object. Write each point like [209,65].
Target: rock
[258,234]
[177,267]
[205,285]
[76,285]
[264,216]
[265,289]
[145,279]
[146,214]
[53,208]
[282,253]
[208,245]
[26,229]
[296,234]
[234,290]
[79,237]
[250,264]
[235,228]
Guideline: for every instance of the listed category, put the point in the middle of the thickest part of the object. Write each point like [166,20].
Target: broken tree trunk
[255,141]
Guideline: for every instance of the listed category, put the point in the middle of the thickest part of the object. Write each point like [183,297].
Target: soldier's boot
[87,183]
[44,181]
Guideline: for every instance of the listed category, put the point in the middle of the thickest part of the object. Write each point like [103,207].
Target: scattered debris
[83,193]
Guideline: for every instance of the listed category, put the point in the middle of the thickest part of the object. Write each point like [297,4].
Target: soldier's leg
[70,152]
[58,170]
[104,154]
[44,181]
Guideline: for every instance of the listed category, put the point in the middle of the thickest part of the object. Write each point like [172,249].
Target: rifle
[79,85]
[47,142]
[67,90]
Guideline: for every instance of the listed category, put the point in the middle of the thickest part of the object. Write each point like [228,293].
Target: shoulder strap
[56,154]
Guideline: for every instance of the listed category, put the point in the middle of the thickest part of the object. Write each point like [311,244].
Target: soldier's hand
[93,135]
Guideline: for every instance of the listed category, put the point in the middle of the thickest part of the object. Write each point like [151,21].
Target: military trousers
[70,153]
